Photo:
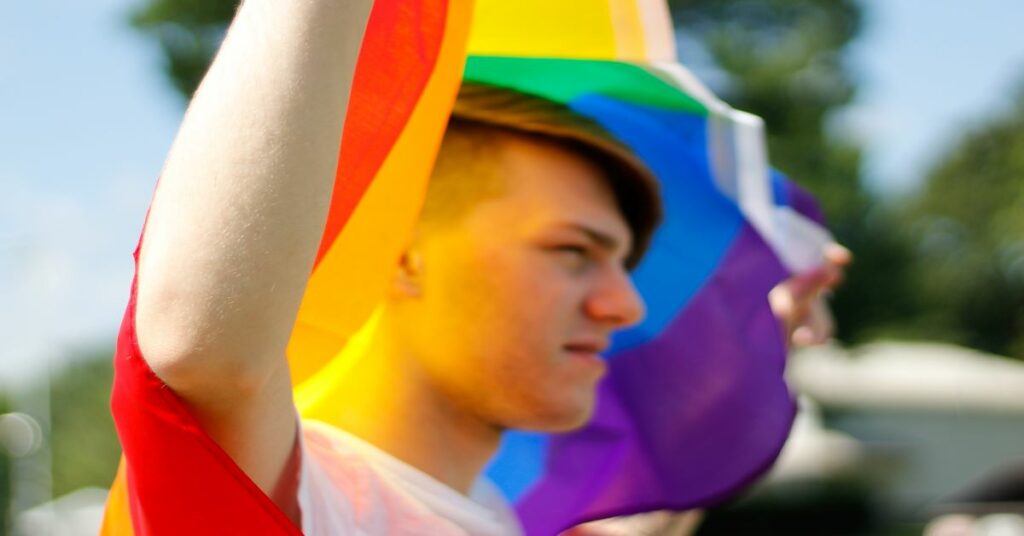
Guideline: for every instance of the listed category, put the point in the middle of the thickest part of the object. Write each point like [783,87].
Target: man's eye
[577,256]
[573,249]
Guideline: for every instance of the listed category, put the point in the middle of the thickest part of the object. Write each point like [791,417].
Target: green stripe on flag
[563,80]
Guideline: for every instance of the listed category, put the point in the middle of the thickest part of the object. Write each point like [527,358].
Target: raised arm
[237,218]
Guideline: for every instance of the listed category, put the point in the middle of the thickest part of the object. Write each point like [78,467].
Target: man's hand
[800,301]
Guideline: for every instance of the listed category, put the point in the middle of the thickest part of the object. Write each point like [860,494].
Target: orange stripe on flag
[353,275]
[401,47]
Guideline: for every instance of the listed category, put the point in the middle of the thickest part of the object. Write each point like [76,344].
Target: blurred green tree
[784,61]
[5,478]
[189,33]
[968,222]
[83,441]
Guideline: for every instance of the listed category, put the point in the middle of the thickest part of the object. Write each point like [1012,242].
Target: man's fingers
[808,285]
[815,327]
[837,254]
[800,304]
[803,336]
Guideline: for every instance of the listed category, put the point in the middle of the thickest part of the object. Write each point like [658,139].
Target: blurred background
[904,117]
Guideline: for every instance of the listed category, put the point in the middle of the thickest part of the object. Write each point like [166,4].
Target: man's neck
[386,401]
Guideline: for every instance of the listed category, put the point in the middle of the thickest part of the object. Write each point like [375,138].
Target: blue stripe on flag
[700,223]
[519,462]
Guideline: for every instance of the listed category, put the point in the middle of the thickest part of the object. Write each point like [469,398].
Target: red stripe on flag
[401,47]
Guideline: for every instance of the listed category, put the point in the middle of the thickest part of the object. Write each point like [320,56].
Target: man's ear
[409,276]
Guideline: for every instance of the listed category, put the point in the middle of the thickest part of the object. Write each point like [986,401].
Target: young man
[514,283]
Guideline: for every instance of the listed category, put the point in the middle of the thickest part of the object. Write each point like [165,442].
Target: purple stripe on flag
[683,421]
[803,202]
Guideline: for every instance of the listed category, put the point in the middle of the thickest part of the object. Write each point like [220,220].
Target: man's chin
[565,418]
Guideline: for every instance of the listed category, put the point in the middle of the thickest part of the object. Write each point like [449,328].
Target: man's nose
[615,300]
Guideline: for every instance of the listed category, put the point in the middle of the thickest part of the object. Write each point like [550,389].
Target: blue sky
[930,71]
[86,118]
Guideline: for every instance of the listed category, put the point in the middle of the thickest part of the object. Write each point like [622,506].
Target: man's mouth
[586,347]
[588,351]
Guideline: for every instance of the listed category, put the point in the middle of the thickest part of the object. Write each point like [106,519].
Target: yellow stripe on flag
[625,30]
[353,276]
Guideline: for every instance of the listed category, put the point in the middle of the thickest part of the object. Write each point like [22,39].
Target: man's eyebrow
[601,238]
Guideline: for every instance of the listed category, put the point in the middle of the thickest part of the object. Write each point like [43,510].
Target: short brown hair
[482,112]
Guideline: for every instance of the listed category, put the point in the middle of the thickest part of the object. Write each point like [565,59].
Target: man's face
[516,301]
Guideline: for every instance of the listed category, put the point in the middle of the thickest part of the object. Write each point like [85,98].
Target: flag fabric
[694,406]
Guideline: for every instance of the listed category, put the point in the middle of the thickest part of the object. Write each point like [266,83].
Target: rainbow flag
[695,406]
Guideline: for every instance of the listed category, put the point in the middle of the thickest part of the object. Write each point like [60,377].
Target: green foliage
[948,265]
[5,478]
[968,222]
[189,32]
[82,438]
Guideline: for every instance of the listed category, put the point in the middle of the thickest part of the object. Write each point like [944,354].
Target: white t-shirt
[348,486]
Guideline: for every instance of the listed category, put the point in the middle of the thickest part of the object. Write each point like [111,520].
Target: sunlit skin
[497,322]
[800,302]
